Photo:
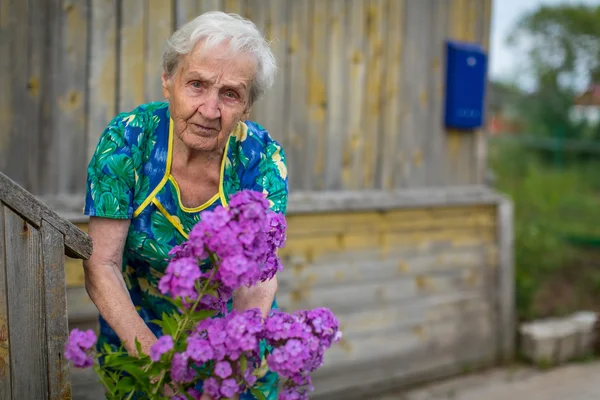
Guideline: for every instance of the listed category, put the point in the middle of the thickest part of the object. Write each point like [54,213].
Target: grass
[552,205]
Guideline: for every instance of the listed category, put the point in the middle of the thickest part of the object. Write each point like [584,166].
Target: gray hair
[216,27]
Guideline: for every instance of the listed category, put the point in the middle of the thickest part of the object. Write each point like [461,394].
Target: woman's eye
[231,95]
[196,84]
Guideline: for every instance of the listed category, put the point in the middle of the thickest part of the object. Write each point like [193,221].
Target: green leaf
[170,325]
[135,371]
[121,165]
[138,346]
[125,384]
[162,228]
[106,149]
[258,394]
[243,364]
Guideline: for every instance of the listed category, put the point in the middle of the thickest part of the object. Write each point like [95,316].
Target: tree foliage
[563,48]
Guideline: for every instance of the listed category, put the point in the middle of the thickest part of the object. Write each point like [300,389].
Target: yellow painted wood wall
[414,289]
[357,103]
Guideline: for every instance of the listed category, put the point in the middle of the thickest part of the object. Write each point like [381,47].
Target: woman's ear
[166,85]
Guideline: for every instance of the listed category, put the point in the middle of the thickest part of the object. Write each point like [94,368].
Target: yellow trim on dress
[164,178]
[195,209]
[170,218]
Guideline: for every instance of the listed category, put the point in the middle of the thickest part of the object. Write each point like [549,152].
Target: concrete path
[571,382]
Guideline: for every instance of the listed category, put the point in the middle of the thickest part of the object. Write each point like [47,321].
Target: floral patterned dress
[129,177]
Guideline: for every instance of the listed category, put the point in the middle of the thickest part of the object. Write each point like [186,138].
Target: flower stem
[185,320]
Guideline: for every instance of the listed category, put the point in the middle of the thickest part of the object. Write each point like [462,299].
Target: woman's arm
[259,296]
[106,287]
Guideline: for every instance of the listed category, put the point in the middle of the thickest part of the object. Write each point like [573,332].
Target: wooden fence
[33,304]
[357,103]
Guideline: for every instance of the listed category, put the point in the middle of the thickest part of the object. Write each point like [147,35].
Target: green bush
[552,205]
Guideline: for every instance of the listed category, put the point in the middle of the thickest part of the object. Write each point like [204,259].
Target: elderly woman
[158,166]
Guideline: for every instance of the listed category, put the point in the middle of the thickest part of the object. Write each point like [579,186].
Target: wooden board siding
[415,290]
[357,102]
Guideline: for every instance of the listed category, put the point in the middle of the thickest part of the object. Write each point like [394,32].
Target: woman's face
[208,95]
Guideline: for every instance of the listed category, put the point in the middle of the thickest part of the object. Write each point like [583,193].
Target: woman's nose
[209,108]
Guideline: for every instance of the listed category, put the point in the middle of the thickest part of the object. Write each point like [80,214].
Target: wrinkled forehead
[220,58]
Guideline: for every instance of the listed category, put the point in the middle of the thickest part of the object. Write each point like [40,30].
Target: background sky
[504,60]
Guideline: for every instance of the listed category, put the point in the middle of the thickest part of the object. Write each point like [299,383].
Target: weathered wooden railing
[33,308]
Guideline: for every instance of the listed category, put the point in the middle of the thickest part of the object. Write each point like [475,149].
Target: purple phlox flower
[293,393]
[237,270]
[180,370]
[229,388]
[211,387]
[223,369]
[180,278]
[198,349]
[195,394]
[163,345]
[277,229]
[79,347]
[249,201]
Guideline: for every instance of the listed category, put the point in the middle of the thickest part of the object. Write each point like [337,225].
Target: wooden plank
[103,71]
[209,5]
[234,6]
[158,29]
[506,282]
[391,103]
[375,30]
[342,226]
[402,343]
[355,267]
[435,154]
[6,111]
[403,177]
[296,93]
[68,135]
[343,300]
[16,144]
[5,357]
[132,54]
[353,141]
[329,201]
[36,73]
[260,16]
[275,103]
[29,369]
[337,85]
[314,248]
[410,316]
[57,331]
[185,11]
[420,13]
[318,97]
[31,209]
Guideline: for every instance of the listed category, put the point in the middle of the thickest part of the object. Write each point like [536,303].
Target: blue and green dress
[129,177]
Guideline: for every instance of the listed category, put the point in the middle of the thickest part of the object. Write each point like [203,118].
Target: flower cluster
[79,347]
[299,341]
[225,342]
[231,247]
[242,238]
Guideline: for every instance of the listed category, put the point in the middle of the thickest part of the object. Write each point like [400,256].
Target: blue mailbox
[466,74]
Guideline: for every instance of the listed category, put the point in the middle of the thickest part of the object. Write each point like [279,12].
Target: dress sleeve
[273,177]
[267,170]
[111,175]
